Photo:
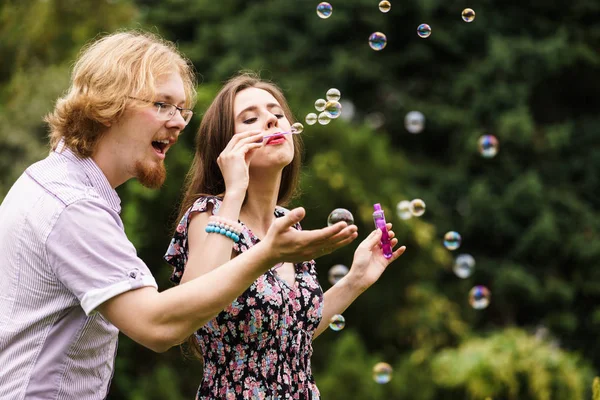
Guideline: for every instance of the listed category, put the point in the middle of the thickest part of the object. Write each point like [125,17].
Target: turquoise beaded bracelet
[225,228]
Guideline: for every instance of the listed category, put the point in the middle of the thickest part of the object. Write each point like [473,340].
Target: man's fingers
[347,235]
[344,233]
[291,218]
[331,246]
[321,236]
[345,241]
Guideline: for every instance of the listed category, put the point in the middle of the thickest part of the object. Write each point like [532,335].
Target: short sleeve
[177,252]
[91,255]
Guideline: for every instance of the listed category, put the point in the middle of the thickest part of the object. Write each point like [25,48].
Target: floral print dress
[260,346]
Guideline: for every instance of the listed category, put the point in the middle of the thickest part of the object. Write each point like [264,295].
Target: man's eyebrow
[169,98]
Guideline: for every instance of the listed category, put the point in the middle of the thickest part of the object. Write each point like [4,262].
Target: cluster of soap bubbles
[464,267]
[382,372]
[329,109]
[414,122]
[338,271]
[378,40]
[464,264]
[407,209]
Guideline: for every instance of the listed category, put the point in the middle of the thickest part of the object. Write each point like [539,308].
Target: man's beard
[151,176]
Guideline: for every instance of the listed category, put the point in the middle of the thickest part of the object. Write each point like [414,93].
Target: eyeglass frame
[160,104]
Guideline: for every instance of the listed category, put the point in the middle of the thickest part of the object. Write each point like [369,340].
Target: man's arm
[162,320]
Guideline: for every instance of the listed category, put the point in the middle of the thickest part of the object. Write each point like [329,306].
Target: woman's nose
[272,121]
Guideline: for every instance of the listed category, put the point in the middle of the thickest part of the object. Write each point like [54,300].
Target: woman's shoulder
[206,202]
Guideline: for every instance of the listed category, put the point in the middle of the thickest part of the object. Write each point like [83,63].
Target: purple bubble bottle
[379,219]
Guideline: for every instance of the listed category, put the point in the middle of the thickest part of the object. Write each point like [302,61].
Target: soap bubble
[464,265]
[417,207]
[349,108]
[324,119]
[324,10]
[333,95]
[377,41]
[452,240]
[424,31]
[403,210]
[311,119]
[337,322]
[320,105]
[468,15]
[340,214]
[375,120]
[382,372]
[479,297]
[336,273]
[488,146]
[384,6]
[333,109]
[297,127]
[414,122]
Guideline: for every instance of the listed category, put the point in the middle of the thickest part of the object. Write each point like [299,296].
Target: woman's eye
[279,116]
[250,121]
[159,104]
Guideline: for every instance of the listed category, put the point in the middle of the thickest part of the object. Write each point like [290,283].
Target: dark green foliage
[527,72]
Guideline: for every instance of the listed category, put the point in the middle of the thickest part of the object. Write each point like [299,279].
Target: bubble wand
[379,219]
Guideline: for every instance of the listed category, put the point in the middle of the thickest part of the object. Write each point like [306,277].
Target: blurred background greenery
[527,72]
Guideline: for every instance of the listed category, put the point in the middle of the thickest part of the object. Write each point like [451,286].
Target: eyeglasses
[166,111]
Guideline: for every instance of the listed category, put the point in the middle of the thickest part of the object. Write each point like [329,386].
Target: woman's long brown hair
[216,130]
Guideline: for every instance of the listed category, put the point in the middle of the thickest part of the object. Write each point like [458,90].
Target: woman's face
[256,109]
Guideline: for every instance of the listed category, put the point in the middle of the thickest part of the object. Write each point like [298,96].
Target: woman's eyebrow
[254,108]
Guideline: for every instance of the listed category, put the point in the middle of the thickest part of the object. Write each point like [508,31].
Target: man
[70,278]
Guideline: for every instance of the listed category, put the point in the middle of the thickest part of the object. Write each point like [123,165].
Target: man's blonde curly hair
[107,72]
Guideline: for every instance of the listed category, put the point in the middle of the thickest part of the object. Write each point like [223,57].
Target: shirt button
[133,274]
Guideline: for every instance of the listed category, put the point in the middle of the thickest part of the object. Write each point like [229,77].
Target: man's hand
[290,245]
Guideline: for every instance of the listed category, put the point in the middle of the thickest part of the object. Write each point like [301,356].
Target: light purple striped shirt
[63,252]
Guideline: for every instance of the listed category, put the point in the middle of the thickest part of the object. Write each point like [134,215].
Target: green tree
[525,72]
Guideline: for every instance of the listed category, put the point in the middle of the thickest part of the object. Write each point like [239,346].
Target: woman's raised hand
[235,159]
[369,262]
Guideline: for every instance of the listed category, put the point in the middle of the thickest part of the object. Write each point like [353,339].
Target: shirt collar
[94,174]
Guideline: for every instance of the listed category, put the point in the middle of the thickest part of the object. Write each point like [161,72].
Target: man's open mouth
[160,145]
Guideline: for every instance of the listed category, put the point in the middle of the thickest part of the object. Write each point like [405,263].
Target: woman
[243,171]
